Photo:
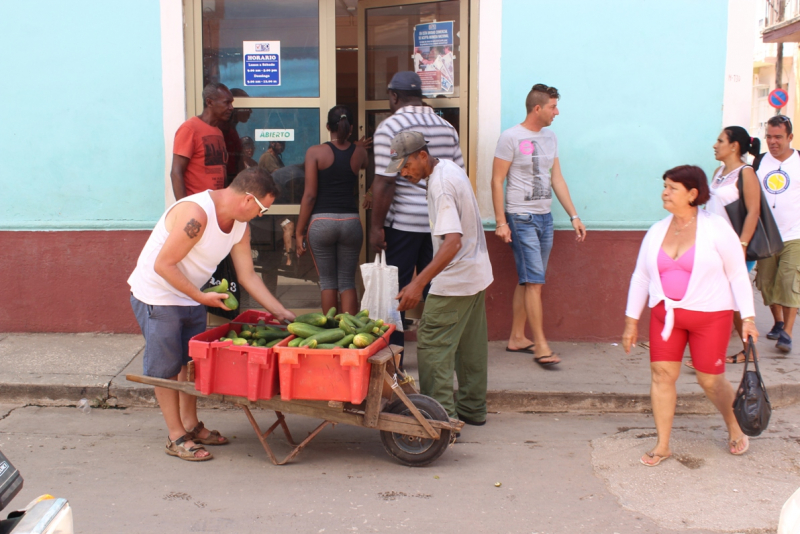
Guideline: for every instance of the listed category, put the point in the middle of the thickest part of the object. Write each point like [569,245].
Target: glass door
[278,58]
[428,37]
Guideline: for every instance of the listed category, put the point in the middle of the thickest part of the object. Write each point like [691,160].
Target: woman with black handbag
[731,146]
[691,271]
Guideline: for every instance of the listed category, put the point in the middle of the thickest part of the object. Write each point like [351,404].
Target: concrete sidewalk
[60,369]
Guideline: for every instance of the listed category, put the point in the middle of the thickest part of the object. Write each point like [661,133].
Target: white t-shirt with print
[453,209]
[781,183]
[532,155]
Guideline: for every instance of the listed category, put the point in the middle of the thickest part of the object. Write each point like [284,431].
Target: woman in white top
[731,146]
[691,269]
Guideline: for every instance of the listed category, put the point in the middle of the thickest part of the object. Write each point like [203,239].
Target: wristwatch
[576,216]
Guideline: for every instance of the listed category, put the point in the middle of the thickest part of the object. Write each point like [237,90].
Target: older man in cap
[399,209]
[452,333]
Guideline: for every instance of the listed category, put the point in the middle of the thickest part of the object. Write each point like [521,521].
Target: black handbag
[766,240]
[751,405]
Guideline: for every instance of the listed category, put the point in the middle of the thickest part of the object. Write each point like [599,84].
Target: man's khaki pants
[452,336]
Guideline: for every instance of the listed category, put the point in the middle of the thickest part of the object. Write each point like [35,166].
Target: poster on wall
[262,63]
[433,57]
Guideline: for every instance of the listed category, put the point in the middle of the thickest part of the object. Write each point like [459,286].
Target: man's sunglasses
[260,205]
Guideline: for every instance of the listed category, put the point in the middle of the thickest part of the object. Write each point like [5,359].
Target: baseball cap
[403,145]
[405,80]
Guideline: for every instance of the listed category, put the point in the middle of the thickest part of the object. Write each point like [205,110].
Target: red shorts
[707,333]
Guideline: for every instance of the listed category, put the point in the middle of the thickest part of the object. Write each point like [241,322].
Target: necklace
[723,177]
[677,232]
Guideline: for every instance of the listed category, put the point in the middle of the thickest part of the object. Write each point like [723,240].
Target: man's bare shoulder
[189,216]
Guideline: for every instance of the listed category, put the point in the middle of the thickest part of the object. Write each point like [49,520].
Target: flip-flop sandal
[526,350]
[545,364]
[176,448]
[734,443]
[211,439]
[653,456]
[688,363]
[736,358]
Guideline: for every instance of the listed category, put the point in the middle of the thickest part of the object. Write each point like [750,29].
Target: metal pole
[779,55]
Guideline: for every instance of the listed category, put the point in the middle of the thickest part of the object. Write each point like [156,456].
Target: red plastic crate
[227,369]
[326,374]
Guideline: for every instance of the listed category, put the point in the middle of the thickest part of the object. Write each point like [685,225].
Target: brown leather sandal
[212,439]
[176,448]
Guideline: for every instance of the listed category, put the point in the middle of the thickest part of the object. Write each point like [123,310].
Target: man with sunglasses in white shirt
[186,246]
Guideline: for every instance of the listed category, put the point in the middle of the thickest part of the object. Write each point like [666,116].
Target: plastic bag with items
[380,290]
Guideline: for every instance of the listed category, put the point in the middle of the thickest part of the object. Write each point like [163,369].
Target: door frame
[193,53]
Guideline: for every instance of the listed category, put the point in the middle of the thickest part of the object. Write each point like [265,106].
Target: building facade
[87,135]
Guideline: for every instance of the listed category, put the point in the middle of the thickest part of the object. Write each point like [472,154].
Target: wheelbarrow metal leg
[261,437]
[392,381]
[305,442]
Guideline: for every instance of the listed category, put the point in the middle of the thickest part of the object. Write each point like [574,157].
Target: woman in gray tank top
[329,212]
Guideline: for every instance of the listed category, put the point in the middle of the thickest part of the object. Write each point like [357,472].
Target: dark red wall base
[68,281]
[76,282]
[586,288]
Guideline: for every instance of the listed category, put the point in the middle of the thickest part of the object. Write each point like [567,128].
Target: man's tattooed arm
[192,228]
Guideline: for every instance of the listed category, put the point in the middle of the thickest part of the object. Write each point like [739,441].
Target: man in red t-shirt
[199,155]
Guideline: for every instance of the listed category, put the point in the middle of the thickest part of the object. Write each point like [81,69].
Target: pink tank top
[675,274]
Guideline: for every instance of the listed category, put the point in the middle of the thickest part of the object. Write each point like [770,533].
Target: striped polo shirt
[409,209]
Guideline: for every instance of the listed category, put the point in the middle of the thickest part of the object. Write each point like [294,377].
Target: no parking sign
[778,98]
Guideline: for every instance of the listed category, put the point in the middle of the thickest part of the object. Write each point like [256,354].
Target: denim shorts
[167,331]
[531,241]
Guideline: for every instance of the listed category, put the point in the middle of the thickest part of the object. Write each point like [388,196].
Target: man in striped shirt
[400,222]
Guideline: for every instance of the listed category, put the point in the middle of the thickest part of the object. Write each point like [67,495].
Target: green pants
[453,336]
[778,277]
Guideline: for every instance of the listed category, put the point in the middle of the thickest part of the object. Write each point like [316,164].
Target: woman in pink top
[691,270]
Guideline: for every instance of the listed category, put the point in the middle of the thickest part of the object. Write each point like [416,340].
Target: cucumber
[377,332]
[231,303]
[239,341]
[232,334]
[314,319]
[269,335]
[344,325]
[367,328]
[345,341]
[247,328]
[261,322]
[384,328]
[379,323]
[247,334]
[273,342]
[326,336]
[303,329]
[327,346]
[296,342]
[222,287]
[331,313]
[352,346]
[363,313]
[363,340]
[261,342]
[355,321]
[313,344]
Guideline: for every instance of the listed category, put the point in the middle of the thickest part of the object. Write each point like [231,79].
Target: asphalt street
[521,473]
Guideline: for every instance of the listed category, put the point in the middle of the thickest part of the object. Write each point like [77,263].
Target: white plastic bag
[380,291]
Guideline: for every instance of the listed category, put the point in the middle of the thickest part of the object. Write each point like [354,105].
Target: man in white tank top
[182,253]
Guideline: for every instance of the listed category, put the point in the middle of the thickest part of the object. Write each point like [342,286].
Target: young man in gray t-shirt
[527,155]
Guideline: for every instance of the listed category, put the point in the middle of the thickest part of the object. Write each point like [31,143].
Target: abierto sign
[275,135]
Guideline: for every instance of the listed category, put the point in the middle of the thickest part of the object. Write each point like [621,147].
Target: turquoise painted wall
[81,135]
[641,91]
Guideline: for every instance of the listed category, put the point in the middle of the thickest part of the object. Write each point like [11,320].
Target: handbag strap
[751,351]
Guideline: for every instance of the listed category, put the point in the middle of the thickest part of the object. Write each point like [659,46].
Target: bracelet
[573,218]
[748,320]
[744,243]
[501,225]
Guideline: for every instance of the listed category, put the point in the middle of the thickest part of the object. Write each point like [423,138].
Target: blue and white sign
[433,57]
[262,63]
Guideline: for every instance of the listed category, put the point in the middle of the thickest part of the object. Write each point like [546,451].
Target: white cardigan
[719,276]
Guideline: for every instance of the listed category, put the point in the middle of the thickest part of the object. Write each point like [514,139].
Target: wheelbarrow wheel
[412,450]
